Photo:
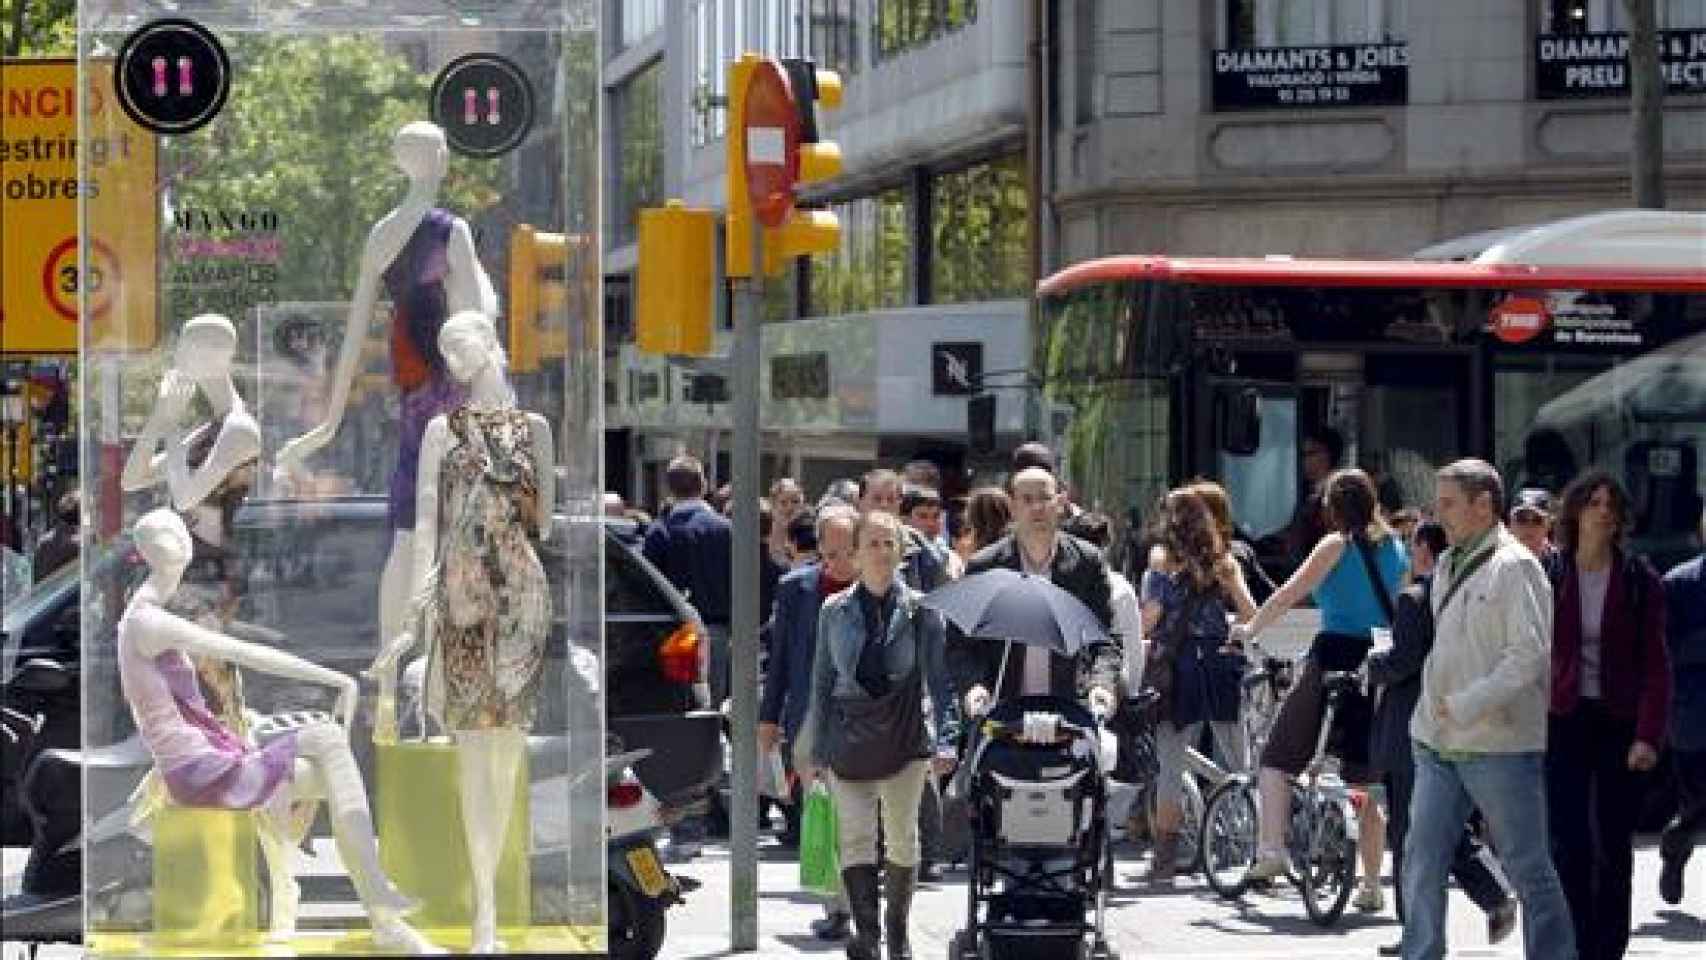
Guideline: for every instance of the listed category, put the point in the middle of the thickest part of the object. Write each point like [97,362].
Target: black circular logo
[484,104]
[172,76]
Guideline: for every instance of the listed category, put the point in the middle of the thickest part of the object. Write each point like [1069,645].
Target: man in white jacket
[1479,730]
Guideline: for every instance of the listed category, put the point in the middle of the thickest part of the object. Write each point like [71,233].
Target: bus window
[1263,485]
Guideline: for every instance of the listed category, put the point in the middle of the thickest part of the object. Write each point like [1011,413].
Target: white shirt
[1128,626]
[1034,681]
[1594,586]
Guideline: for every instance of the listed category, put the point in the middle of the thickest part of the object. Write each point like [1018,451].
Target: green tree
[307,135]
[38,28]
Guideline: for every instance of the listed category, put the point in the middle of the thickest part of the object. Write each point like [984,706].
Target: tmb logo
[1518,319]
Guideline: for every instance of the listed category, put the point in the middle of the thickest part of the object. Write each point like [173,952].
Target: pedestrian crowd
[1526,670]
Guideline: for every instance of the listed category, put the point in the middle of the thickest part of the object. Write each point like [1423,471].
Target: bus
[1545,351]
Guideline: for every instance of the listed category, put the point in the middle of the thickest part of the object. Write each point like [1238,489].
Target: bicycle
[1229,828]
[1322,847]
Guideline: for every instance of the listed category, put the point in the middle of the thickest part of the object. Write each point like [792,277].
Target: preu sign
[1342,75]
[1574,65]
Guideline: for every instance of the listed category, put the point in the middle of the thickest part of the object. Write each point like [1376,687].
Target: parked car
[311,569]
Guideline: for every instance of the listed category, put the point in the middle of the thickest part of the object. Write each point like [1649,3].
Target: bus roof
[1626,250]
[1285,272]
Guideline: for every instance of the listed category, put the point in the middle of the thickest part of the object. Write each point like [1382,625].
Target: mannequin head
[469,342]
[164,542]
[420,150]
[205,347]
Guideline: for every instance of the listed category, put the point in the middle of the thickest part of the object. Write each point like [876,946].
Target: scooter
[640,890]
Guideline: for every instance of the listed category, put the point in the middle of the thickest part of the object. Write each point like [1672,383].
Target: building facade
[872,353]
[1348,127]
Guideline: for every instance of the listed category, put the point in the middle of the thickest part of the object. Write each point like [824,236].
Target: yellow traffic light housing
[538,287]
[809,231]
[673,308]
[737,234]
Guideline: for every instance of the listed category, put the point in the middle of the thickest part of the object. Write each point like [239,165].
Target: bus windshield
[1267,386]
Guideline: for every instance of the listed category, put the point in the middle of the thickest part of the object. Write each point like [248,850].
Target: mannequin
[201,763]
[485,486]
[425,258]
[208,470]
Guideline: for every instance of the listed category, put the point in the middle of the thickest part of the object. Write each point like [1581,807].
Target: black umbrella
[1027,609]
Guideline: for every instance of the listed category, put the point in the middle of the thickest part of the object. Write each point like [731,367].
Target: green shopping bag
[820,839]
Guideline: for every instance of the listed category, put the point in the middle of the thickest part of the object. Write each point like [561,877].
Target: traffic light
[538,287]
[807,231]
[673,301]
[980,422]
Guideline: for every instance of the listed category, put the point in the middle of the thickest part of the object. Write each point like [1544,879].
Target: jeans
[1677,841]
[1510,790]
[1593,800]
[1473,866]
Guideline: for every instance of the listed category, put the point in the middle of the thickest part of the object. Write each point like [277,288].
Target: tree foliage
[38,28]
[307,135]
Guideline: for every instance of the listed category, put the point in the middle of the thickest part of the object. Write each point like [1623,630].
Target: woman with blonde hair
[1353,573]
[879,663]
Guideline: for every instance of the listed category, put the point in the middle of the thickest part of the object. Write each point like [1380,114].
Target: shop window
[637,20]
[904,25]
[979,239]
[872,268]
[639,148]
[834,34]
[1607,16]
[1295,23]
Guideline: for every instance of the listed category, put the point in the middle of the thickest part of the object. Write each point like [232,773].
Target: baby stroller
[1039,851]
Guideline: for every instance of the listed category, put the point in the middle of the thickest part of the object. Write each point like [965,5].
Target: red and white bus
[1575,344]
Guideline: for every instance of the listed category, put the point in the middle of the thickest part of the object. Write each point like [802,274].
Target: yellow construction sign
[39,192]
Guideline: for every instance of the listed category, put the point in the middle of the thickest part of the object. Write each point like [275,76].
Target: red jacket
[1634,663]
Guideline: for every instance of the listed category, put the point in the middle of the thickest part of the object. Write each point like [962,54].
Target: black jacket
[1080,570]
[1398,673]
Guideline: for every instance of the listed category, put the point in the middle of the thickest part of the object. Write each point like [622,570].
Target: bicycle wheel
[1228,840]
[1329,873]
[1191,809]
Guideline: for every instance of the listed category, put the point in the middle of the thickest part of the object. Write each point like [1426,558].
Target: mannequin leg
[487,761]
[282,827]
[325,746]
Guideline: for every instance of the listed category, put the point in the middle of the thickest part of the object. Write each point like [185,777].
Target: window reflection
[639,132]
[979,233]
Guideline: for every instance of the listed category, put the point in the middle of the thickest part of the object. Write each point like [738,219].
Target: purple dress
[419,307]
[202,763]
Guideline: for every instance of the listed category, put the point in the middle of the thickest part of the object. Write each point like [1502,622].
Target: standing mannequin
[485,487]
[202,763]
[208,470]
[426,260]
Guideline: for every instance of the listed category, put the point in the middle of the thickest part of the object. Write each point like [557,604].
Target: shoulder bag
[872,738]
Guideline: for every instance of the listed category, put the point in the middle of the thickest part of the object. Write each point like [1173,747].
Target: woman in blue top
[1337,575]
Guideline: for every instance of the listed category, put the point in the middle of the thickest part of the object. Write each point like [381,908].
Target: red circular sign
[770,144]
[62,279]
[1518,319]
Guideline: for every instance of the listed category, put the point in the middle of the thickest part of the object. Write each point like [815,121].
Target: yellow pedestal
[422,845]
[205,879]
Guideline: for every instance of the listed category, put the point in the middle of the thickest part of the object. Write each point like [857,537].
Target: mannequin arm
[545,472]
[467,287]
[142,468]
[424,551]
[162,631]
[238,443]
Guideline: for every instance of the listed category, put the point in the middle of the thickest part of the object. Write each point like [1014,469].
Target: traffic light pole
[743,684]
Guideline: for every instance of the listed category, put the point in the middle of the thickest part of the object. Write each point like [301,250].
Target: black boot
[897,909]
[861,885]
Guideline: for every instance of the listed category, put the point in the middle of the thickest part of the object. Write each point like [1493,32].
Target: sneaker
[1391,949]
[1670,880]
[1268,866]
[1370,899]
[1501,921]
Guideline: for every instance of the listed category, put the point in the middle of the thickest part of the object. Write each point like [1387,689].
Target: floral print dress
[492,605]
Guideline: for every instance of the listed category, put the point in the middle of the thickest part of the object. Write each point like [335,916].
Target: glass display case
[343,430]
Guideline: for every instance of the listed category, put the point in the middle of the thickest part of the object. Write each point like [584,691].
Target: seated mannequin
[202,763]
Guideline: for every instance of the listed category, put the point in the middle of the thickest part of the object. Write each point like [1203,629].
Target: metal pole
[743,681]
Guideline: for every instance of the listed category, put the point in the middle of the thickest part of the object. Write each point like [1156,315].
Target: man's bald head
[1036,502]
[1035,478]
